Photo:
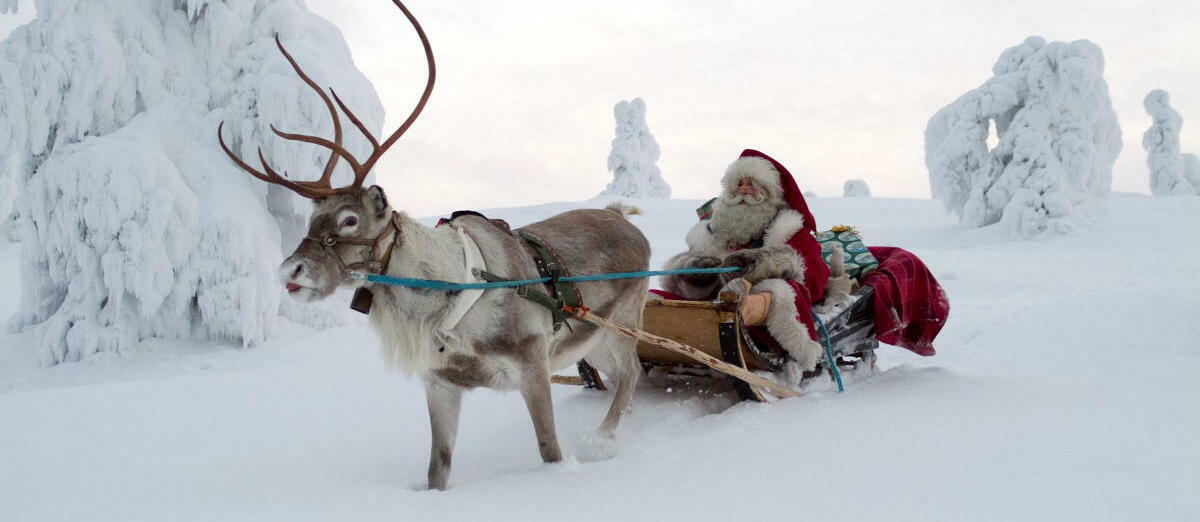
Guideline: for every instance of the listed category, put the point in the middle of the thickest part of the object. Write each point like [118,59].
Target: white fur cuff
[785,327]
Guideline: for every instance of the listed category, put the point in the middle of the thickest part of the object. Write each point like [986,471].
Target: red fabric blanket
[910,306]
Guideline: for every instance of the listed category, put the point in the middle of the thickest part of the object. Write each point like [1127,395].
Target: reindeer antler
[323,187]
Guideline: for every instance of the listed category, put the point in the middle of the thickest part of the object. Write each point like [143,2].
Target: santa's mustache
[745,197]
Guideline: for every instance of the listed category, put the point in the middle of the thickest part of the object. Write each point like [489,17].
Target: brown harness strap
[362,296]
[549,265]
[328,242]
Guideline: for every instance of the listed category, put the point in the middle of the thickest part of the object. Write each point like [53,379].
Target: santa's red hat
[774,177]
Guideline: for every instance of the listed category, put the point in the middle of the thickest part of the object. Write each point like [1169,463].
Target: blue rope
[448,286]
[833,367]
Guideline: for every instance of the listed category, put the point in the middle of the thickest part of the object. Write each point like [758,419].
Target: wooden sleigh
[716,329]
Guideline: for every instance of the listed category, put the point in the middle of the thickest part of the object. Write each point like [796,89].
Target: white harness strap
[473,264]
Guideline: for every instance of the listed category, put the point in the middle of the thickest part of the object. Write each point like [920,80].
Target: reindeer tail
[623,209]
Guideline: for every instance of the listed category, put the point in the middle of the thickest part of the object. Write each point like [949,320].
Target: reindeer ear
[376,201]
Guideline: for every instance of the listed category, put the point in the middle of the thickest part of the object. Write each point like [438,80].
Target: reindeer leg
[535,389]
[444,401]
[627,370]
[623,364]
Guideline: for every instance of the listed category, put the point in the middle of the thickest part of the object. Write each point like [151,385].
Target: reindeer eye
[349,221]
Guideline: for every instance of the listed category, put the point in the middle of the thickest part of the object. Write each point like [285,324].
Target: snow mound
[1171,173]
[633,156]
[856,188]
[1057,140]
[133,223]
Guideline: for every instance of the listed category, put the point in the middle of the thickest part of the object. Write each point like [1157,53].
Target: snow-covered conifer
[1057,140]
[856,188]
[133,222]
[633,156]
[1191,170]
[1168,174]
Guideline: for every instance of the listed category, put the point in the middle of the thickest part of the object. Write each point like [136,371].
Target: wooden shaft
[689,351]
[573,380]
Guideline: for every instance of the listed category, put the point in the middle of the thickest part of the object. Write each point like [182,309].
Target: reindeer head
[348,231]
[351,228]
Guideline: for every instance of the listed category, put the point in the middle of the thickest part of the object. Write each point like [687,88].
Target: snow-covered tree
[633,156]
[1191,170]
[8,196]
[133,222]
[1057,140]
[1170,173]
[856,188]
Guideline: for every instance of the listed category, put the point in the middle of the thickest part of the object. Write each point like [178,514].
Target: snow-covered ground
[1065,389]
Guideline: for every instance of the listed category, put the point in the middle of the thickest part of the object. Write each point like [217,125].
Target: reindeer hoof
[552,456]
[596,446]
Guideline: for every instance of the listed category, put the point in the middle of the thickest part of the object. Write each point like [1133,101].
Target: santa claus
[761,224]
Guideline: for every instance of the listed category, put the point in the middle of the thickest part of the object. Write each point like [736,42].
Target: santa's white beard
[735,224]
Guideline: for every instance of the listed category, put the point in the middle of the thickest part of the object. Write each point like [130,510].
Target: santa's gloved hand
[702,279]
[758,264]
[743,259]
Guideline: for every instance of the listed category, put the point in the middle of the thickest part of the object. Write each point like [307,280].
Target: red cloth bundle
[910,306]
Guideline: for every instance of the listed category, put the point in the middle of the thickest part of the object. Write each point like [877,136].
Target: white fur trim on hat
[757,169]
[785,327]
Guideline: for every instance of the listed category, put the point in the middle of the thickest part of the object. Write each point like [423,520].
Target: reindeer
[456,341]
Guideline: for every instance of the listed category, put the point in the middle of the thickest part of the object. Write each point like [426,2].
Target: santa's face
[747,191]
[746,207]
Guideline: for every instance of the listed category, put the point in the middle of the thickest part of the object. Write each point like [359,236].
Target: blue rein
[448,286]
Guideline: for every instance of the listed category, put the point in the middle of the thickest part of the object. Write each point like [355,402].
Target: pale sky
[522,111]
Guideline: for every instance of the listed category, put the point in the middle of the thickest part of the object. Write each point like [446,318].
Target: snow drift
[133,223]
[1171,173]
[633,156]
[1057,140]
